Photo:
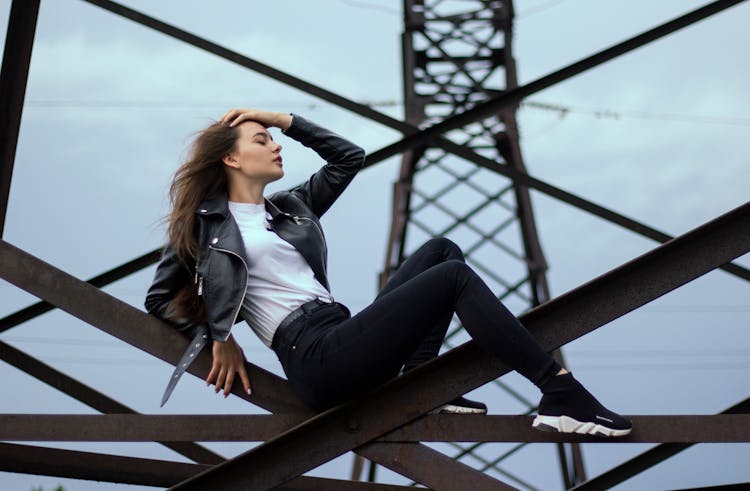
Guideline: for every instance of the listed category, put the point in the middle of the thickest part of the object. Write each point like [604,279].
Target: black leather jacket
[220,270]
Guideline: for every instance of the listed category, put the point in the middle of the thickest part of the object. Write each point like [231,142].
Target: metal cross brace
[75,464]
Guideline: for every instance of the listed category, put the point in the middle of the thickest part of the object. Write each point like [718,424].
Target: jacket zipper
[297,220]
[239,305]
[198,280]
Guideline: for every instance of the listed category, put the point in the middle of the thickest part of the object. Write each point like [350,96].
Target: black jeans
[330,356]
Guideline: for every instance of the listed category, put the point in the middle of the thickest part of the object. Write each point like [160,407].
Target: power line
[538,8]
[603,113]
[371,6]
[562,110]
[135,104]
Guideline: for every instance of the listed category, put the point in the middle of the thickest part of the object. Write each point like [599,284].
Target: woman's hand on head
[227,361]
[233,117]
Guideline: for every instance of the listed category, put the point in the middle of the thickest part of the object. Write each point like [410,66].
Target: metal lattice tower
[458,54]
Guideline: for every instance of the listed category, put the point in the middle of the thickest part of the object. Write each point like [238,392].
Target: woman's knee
[457,269]
[449,249]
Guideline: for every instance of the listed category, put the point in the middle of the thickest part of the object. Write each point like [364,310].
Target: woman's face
[255,154]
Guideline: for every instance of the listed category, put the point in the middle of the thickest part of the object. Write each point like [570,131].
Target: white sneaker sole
[451,409]
[566,424]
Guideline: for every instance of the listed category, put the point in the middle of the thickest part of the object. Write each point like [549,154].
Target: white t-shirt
[279,278]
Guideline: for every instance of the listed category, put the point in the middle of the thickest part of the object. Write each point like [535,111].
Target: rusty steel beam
[129,324]
[514,96]
[721,428]
[648,459]
[428,467]
[19,41]
[554,324]
[74,464]
[143,428]
[646,429]
[92,398]
[739,486]
[404,127]
[28,459]
[578,202]
[151,335]
[99,281]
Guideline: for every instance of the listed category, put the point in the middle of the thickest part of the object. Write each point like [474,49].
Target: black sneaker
[461,405]
[567,407]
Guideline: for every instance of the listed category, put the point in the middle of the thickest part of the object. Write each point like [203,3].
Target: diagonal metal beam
[128,324]
[514,96]
[429,467]
[14,74]
[92,398]
[74,464]
[29,459]
[426,466]
[99,281]
[406,128]
[647,459]
[554,324]
[247,62]
[721,428]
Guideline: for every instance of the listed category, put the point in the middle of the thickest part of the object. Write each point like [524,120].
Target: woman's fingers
[235,116]
[212,374]
[245,379]
[228,360]
[230,115]
[220,379]
[228,383]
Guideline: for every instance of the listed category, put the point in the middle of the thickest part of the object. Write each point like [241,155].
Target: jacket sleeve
[343,160]
[169,278]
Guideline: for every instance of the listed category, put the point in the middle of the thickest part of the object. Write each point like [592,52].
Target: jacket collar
[216,205]
[220,205]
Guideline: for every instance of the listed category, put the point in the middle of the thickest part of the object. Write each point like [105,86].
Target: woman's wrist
[284,121]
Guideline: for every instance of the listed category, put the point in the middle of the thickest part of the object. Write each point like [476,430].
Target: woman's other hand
[233,117]
[227,360]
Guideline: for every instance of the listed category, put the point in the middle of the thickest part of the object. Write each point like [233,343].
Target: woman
[234,254]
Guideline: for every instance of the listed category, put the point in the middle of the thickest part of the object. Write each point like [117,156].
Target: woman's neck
[247,194]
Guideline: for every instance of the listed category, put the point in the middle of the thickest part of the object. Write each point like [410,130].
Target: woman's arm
[343,158]
[170,277]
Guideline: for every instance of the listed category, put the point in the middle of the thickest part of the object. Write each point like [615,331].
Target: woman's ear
[230,161]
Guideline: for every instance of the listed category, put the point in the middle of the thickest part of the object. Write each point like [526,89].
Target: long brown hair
[200,177]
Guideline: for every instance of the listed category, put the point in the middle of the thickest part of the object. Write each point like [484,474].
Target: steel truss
[370,425]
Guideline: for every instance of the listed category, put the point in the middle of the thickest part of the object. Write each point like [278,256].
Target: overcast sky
[658,135]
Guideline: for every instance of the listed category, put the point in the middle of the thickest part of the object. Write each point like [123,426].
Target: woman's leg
[370,347]
[431,253]
[363,351]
